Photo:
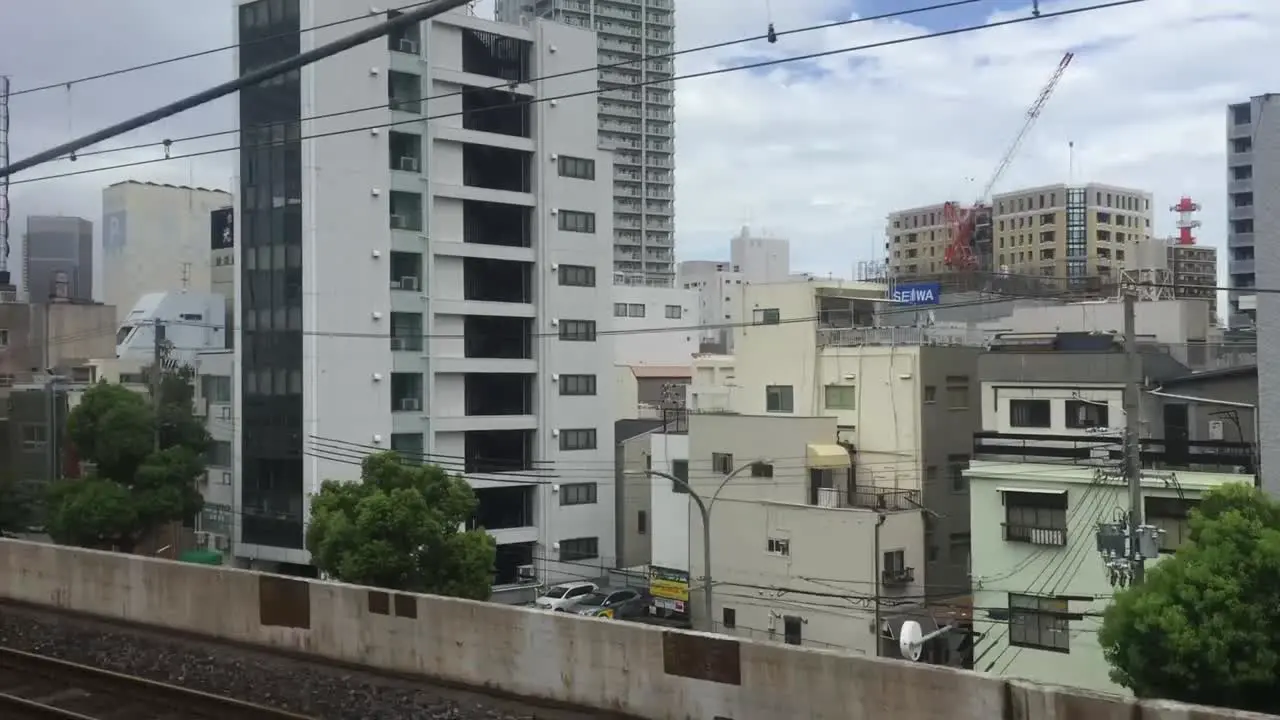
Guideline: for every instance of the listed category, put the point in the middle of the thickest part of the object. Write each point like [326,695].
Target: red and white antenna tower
[1186,209]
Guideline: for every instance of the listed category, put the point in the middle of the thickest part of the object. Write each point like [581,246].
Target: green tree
[18,506]
[1204,627]
[399,527]
[133,487]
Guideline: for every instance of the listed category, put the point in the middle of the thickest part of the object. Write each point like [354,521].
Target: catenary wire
[644,83]
[568,73]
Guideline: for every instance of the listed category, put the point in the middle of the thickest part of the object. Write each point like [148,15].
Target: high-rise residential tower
[1252,139]
[430,287]
[636,39]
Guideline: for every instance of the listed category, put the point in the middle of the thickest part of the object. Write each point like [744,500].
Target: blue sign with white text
[918,294]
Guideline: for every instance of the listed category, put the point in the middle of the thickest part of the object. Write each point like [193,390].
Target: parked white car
[560,597]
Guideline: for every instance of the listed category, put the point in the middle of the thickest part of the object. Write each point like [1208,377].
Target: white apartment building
[653,325]
[752,259]
[155,238]
[215,375]
[440,292]
[636,39]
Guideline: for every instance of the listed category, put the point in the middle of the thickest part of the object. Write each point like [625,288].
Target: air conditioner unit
[409,282]
[399,222]
[398,343]
[410,404]
[526,573]
[221,543]
[409,45]
[409,164]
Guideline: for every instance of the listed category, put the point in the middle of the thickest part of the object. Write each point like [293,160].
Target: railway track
[36,687]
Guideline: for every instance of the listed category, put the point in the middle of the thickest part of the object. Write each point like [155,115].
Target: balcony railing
[889,336]
[1035,535]
[1107,451]
[866,498]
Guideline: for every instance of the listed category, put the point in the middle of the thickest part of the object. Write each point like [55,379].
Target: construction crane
[963,221]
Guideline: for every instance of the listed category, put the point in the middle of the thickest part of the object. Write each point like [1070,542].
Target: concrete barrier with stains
[637,669]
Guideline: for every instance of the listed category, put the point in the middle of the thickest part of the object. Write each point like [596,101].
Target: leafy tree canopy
[133,487]
[18,506]
[400,527]
[1204,627]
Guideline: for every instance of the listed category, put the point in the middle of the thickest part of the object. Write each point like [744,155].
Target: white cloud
[819,152]
[822,158]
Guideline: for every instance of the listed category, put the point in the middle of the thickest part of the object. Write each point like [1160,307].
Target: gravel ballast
[314,689]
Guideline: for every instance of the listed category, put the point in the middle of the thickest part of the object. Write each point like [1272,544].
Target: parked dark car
[610,603]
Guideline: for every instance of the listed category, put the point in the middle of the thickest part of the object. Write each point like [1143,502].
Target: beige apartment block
[1050,231]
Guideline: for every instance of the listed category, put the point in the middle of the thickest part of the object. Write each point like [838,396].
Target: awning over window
[823,457]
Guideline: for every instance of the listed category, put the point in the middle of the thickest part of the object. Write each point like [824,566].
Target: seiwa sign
[917,294]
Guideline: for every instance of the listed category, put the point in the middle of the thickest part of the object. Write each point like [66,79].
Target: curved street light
[704,508]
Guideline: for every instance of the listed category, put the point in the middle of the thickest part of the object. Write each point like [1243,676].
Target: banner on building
[222,229]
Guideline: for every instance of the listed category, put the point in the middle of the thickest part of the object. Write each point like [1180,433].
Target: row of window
[638,310]
[1038,413]
[1041,518]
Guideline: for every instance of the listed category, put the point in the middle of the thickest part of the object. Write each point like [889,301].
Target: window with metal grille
[1036,518]
[1039,622]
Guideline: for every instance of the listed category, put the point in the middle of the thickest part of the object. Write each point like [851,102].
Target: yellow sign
[669,589]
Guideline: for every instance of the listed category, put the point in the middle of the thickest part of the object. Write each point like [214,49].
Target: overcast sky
[818,152]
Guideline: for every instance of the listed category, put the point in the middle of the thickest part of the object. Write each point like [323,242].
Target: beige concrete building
[1057,231]
[76,331]
[790,526]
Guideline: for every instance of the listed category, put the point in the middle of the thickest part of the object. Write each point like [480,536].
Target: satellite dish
[910,640]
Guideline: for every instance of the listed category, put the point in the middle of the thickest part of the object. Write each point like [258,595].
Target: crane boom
[1032,114]
[959,253]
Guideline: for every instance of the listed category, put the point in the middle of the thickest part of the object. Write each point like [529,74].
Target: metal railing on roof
[933,335]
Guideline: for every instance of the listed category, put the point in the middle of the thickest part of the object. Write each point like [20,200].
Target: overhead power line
[506,86]
[254,77]
[66,84]
[293,64]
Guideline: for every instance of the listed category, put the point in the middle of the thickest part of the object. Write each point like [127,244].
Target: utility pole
[1132,431]
[157,374]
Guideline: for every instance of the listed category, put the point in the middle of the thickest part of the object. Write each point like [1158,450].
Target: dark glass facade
[270,236]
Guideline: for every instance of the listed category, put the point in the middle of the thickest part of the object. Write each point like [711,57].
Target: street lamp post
[704,508]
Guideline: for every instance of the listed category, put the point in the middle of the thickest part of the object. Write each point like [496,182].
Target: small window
[761,470]
[577,276]
[642,522]
[840,397]
[791,629]
[580,168]
[778,546]
[1082,414]
[578,493]
[619,309]
[674,312]
[931,393]
[578,330]
[722,463]
[956,465]
[577,384]
[635,310]
[1173,516]
[34,437]
[680,469]
[4,338]
[1030,414]
[584,439]
[729,618]
[1035,518]
[579,549]
[779,399]
[766,316]
[957,392]
[575,221]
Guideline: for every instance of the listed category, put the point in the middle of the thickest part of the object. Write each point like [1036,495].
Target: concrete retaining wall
[636,669]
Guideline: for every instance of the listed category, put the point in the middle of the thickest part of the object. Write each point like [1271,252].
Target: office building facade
[1253,149]
[636,39]
[440,296]
[57,258]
